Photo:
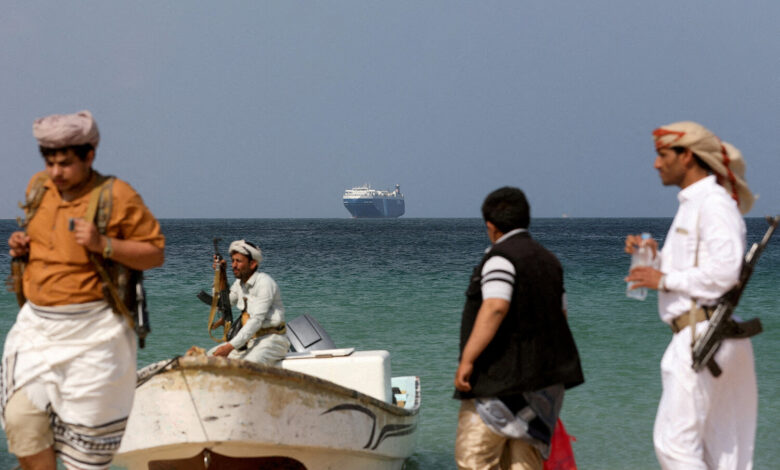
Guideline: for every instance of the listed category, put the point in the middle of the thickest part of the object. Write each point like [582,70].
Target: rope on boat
[194,405]
[145,374]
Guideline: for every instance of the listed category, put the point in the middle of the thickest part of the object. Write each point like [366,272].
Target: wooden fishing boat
[323,409]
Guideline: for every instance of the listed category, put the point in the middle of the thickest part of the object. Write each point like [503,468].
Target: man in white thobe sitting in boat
[262,336]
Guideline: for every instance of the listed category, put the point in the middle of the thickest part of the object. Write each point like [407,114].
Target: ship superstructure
[366,202]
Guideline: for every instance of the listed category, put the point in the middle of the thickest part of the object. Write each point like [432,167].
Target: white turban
[247,249]
[64,130]
[724,159]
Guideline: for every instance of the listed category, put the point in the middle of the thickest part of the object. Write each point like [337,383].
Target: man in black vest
[517,352]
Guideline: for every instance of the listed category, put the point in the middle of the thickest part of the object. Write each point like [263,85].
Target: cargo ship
[365,202]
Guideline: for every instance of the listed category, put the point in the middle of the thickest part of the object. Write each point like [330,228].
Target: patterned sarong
[77,363]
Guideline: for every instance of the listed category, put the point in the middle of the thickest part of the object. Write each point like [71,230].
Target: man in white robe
[703,422]
[261,338]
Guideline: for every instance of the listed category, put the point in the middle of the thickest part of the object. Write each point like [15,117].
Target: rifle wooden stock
[721,325]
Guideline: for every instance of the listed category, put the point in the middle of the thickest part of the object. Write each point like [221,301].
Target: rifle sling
[33,198]
[103,183]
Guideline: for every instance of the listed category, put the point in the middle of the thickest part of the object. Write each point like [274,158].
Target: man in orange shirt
[68,370]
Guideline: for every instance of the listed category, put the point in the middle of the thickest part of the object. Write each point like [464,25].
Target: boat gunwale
[214,363]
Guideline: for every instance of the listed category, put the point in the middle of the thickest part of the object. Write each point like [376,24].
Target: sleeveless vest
[533,347]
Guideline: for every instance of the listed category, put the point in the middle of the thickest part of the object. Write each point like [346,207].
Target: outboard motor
[306,334]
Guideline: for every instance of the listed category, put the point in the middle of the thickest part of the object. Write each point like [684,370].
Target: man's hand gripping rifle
[220,302]
[721,325]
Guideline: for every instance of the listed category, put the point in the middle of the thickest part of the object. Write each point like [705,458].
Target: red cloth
[561,453]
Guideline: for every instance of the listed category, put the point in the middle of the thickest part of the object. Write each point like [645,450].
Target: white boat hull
[243,410]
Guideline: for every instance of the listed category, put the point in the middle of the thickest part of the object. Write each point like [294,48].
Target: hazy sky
[271,109]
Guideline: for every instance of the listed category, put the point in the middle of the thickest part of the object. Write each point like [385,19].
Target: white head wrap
[247,249]
[724,159]
[63,130]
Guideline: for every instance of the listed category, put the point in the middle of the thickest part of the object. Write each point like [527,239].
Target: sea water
[398,285]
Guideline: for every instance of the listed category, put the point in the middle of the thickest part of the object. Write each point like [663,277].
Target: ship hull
[375,208]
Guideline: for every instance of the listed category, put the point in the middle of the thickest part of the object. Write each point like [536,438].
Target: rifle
[721,325]
[221,299]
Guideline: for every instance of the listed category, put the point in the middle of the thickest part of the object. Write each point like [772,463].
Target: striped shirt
[498,275]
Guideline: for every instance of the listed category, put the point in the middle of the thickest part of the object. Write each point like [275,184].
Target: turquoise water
[398,285]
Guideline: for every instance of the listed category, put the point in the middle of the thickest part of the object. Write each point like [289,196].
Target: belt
[700,314]
[272,330]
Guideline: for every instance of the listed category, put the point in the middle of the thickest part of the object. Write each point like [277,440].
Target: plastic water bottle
[642,256]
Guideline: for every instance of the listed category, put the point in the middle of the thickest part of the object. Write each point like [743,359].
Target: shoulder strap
[33,199]
[100,203]
[99,211]
[694,302]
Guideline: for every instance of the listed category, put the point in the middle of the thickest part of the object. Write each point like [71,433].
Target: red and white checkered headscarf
[724,159]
